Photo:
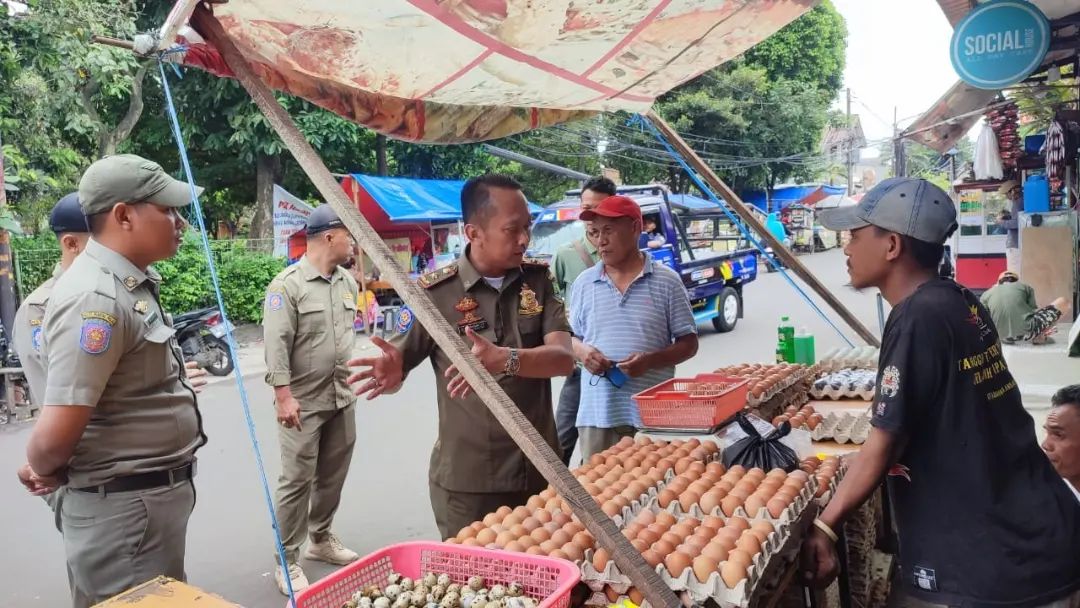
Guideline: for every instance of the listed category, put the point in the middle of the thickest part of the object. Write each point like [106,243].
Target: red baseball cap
[614,206]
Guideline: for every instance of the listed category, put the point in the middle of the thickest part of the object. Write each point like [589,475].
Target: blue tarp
[786,195]
[418,200]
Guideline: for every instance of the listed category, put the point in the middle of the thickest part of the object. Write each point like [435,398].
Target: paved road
[230,547]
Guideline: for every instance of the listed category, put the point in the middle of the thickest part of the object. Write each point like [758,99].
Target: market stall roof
[417,200]
[788,194]
[469,70]
[836,200]
[959,108]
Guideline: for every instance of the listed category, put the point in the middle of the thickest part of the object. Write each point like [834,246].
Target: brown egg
[688,499]
[573,552]
[700,486]
[763,526]
[503,511]
[808,410]
[636,596]
[658,528]
[600,559]
[677,563]
[491,519]
[486,536]
[724,486]
[754,503]
[761,536]
[560,537]
[663,547]
[730,503]
[466,532]
[514,546]
[704,532]
[666,497]
[713,521]
[504,538]
[715,466]
[543,516]
[704,566]
[682,465]
[777,506]
[649,536]
[611,509]
[665,519]
[696,542]
[540,535]
[813,421]
[749,543]
[725,541]
[672,538]
[740,557]
[558,554]
[652,558]
[645,518]
[611,594]
[715,551]
[697,468]
[632,530]
[535,550]
[471,542]
[530,524]
[733,573]
[640,545]
[683,529]
[782,418]
[693,521]
[798,475]
[584,540]
[737,523]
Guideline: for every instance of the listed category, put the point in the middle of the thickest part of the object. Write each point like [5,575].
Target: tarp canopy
[959,108]
[834,201]
[406,200]
[787,195]
[449,71]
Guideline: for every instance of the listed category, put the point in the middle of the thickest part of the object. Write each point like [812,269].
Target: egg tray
[789,381]
[841,471]
[778,547]
[791,513]
[846,383]
[859,357]
[842,428]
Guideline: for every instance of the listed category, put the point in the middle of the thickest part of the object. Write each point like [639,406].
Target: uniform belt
[143,481]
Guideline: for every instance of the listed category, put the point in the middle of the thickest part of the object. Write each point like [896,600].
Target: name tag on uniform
[152,318]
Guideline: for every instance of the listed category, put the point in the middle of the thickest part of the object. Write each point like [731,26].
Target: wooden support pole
[739,207]
[509,416]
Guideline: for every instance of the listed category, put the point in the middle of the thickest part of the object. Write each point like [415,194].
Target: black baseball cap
[904,205]
[67,215]
[323,218]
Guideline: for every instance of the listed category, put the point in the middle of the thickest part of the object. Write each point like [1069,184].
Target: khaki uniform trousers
[116,541]
[314,463]
[595,440]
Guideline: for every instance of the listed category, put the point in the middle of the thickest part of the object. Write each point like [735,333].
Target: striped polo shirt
[654,311]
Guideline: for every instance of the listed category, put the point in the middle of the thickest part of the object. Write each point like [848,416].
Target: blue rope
[175,122]
[637,118]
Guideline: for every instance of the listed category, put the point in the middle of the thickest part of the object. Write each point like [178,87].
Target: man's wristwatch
[513,363]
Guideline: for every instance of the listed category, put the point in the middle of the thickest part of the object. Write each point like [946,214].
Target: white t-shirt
[496,282]
[1073,488]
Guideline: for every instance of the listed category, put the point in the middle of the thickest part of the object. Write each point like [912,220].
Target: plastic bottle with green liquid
[785,341]
[804,347]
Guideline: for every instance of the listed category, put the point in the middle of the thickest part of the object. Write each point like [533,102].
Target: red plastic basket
[546,578]
[700,403]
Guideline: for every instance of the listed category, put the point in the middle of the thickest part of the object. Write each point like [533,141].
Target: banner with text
[290,215]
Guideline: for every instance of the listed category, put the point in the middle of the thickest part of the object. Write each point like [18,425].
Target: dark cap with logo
[126,178]
[67,216]
[323,218]
[904,205]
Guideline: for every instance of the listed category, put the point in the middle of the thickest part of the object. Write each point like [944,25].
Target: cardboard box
[164,592]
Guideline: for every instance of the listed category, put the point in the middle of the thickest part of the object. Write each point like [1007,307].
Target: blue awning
[418,200]
[786,195]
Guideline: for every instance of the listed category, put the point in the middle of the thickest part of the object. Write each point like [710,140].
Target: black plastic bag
[764,452]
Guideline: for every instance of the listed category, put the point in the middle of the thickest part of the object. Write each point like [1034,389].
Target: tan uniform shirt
[26,337]
[473,452]
[308,333]
[108,345]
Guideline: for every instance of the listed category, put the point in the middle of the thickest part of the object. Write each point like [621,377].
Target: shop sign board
[999,43]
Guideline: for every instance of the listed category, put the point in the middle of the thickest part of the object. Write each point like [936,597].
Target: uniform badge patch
[528,305]
[95,336]
[141,307]
[404,320]
[890,382]
[35,338]
[275,301]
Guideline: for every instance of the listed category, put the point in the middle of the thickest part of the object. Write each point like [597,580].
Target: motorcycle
[201,334]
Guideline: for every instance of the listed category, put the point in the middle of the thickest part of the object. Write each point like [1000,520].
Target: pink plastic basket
[546,578]
[699,403]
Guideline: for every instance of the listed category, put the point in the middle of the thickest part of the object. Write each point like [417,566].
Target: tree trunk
[380,154]
[268,172]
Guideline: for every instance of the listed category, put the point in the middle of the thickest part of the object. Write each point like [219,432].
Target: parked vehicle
[201,334]
[701,244]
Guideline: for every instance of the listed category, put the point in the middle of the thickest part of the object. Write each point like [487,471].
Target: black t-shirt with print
[983,518]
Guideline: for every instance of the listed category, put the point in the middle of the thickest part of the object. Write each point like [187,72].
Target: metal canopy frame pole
[501,406]
[739,207]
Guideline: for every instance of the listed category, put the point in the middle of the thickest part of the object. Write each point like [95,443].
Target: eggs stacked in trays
[805,418]
[766,380]
[710,490]
[827,472]
[622,480]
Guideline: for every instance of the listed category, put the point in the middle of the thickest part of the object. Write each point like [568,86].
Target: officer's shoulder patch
[431,279]
[35,337]
[275,300]
[405,319]
[96,331]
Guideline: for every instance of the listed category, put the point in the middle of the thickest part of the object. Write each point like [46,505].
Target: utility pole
[850,152]
[7,277]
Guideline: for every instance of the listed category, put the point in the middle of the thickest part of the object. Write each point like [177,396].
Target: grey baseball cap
[904,205]
[126,178]
[323,218]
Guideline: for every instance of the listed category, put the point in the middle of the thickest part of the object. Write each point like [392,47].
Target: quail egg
[381,602]
[407,584]
[444,580]
[454,588]
[402,602]
[418,598]
[476,583]
[438,591]
[364,602]
[392,592]
[349,603]
[515,589]
[372,591]
[430,579]
[451,600]
[498,592]
[393,579]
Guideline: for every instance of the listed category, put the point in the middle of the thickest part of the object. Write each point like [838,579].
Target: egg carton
[846,383]
[790,514]
[792,379]
[841,471]
[843,428]
[859,357]
[714,588]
